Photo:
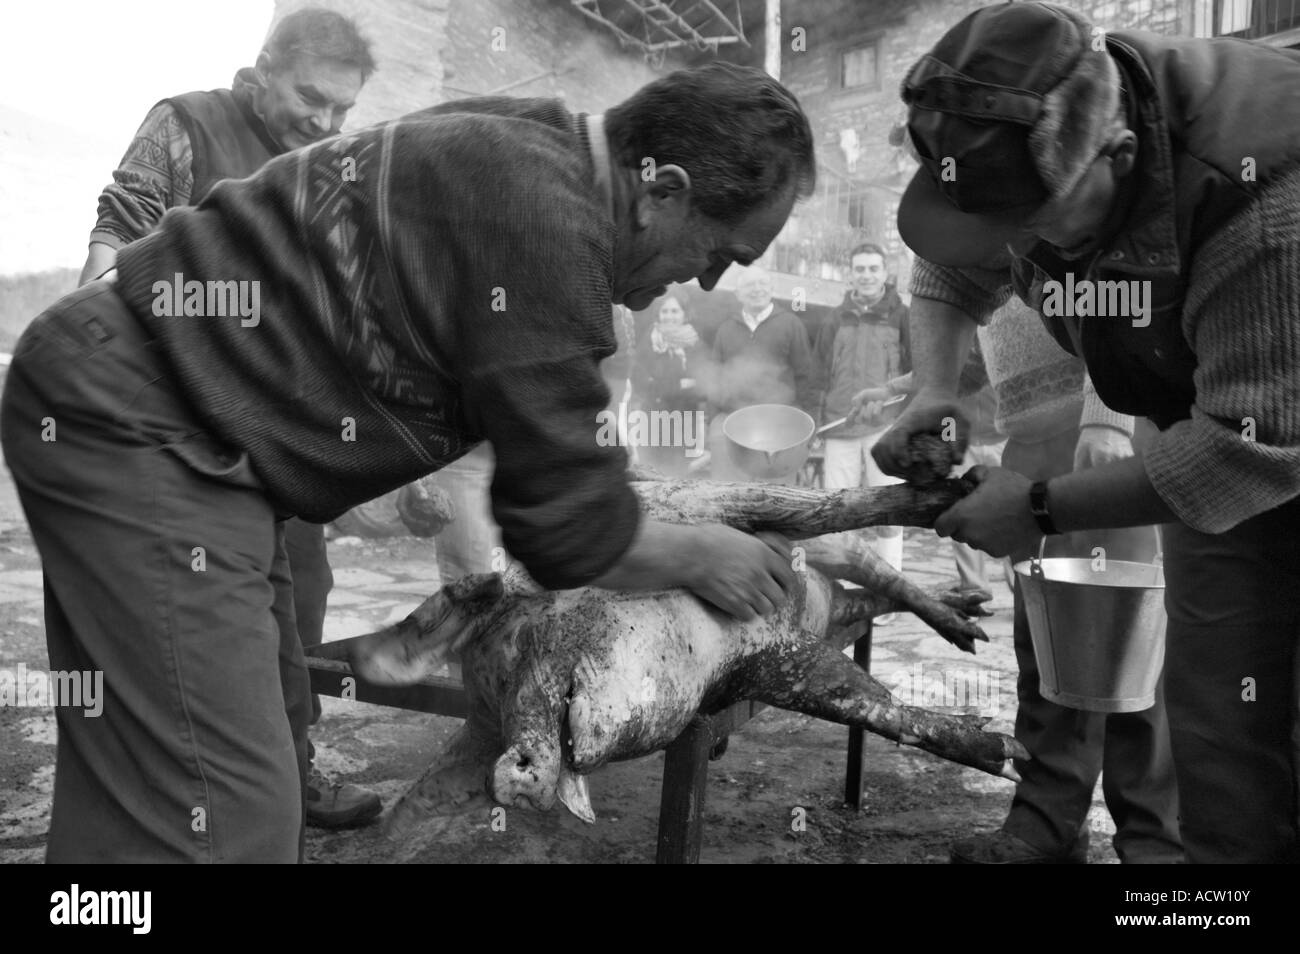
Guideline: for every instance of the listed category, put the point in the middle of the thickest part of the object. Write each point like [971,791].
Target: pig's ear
[572,791]
[406,652]
[399,655]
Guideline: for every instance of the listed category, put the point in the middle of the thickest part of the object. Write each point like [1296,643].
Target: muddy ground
[916,805]
[780,763]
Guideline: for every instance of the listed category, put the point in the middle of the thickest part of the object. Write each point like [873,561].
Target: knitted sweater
[1237,453]
[770,365]
[158,171]
[1041,390]
[1211,231]
[425,284]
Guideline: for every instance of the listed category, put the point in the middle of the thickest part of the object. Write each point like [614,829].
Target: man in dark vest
[1142,193]
[306,79]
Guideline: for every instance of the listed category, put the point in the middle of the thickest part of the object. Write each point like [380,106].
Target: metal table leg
[853,773]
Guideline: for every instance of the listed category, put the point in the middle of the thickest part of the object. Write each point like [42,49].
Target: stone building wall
[430,51]
[851,124]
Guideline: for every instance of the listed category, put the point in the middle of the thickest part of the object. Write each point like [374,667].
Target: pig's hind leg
[814,678]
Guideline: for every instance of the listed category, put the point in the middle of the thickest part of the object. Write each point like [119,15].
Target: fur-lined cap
[1011,106]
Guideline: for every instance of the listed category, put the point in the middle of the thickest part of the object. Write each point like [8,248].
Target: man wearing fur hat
[1142,193]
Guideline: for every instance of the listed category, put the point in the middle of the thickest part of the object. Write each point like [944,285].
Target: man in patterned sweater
[1156,174]
[353,316]
[300,90]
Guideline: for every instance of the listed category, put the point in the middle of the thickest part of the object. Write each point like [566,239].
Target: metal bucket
[768,441]
[1099,634]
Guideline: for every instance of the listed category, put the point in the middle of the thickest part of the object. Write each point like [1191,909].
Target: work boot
[1003,848]
[332,804]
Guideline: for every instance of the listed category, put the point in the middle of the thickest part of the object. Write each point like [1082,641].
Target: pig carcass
[559,683]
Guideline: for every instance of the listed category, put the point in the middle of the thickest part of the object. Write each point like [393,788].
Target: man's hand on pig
[995,516]
[744,575]
[741,574]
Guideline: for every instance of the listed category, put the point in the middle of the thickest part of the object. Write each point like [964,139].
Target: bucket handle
[1036,571]
[1158,561]
[1036,562]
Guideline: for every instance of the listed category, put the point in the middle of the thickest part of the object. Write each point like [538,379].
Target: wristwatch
[1038,507]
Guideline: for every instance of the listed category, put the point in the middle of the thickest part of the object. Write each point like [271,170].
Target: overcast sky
[76,79]
[100,65]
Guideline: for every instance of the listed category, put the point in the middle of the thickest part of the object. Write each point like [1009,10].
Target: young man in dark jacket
[863,345]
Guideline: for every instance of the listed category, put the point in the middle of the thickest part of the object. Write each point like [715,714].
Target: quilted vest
[1199,108]
[228,139]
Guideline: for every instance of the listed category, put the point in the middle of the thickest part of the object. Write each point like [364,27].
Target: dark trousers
[1070,747]
[304,543]
[1233,688]
[165,569]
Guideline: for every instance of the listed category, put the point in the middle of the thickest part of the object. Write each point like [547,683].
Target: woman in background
[667,369]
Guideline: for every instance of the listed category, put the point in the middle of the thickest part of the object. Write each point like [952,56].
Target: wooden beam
[798,512]
[1286,38]
[434,694]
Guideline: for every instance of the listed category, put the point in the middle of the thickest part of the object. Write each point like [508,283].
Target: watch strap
[1038,507]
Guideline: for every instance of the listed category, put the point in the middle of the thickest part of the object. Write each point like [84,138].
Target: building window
[858,66]
[1276,21]
[1233,17]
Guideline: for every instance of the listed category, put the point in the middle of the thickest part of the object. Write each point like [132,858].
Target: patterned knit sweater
[424,285]
[155,174]
[1238,453]
[1042,391]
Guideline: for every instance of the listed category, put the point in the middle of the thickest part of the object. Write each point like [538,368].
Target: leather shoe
[1003,848]
[332,804]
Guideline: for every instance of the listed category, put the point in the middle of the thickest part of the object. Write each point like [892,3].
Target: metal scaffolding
[664,25]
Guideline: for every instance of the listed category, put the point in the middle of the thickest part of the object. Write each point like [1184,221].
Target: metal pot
[768,441]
